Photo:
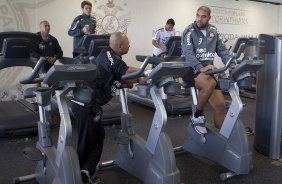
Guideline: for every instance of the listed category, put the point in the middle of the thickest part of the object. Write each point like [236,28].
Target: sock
[198,113]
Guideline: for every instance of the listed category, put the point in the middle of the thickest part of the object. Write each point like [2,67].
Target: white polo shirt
[161,36]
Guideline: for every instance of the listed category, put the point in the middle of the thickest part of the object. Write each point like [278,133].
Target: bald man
[91,133]
[48,46]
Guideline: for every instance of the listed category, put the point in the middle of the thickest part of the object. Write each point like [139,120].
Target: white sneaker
[199,124]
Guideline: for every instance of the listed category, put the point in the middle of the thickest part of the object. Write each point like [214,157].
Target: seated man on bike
[200,42]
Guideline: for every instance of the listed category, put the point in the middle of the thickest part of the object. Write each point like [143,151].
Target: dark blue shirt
[76,31]
[110,69]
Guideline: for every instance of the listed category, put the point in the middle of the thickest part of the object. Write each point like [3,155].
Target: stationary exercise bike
[227,146]
[56,165]
[152,160]
[175,105]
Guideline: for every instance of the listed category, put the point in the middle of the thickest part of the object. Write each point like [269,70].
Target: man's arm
[123,69]
[188,51]
[58,50]
[155,42]
[35,54]
[75,29]
[131,69]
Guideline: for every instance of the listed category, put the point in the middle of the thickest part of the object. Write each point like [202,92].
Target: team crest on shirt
[200,41]
[211,34]
[41,46]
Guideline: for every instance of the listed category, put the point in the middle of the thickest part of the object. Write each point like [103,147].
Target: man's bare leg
[218,104]
[206,85]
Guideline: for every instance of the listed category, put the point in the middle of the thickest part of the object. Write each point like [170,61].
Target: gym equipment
[17,118]
[174,105]
[251,52]
[173,46]
[227,146]
[94,44]
[151,160]
[61,165]
[267,138]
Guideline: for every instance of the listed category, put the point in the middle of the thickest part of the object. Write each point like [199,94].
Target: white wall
[280,19]
[146,15]
[140,17]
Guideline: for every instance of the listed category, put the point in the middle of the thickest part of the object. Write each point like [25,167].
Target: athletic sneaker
[199,124]
[87,179]
[249,131]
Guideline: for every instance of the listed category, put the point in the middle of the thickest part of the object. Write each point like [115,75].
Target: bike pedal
[32,154]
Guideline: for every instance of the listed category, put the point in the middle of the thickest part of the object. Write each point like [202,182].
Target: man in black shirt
[48,46]
[81,26]
[91,133]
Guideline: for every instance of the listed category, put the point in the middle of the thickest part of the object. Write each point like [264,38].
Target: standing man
[161,36]
[200,42]
[91,133]
[81,26]
[48,46]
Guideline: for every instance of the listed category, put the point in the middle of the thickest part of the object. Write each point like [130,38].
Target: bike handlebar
[229,62]
[140,72]
[33,77]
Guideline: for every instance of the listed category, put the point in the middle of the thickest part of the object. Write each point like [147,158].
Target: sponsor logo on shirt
[202,55]
[188,38]
[116,85]
[41,46]
[110,57]
[201,50]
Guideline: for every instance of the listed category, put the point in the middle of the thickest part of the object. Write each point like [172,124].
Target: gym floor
[193,169]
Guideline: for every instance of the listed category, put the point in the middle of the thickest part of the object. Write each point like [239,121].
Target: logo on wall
[14,17]
[113,18]
[223,15]
[13,14]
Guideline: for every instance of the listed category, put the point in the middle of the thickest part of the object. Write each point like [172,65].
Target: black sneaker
[87,179]
[249,131]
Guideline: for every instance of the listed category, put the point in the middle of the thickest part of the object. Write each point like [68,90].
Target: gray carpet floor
[193,169]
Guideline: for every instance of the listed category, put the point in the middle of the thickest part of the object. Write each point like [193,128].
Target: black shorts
[189,78]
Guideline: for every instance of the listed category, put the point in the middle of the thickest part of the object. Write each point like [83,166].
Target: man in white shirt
[161,36]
